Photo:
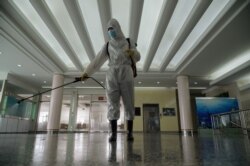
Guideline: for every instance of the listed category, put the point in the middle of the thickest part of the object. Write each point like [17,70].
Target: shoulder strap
[129,45]
[128,39]
[107,46]
[107,49]
[133,64]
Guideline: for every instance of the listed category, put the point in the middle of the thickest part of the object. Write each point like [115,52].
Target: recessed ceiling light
[158,82]
[0,52]
[19,65]
[139,82]
[195,83]
[33,74]
[44,82]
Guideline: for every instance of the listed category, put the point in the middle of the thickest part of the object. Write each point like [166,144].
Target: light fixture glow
[34,19]
[33,74]
[61,14]
[180,15]
[150,14]
[120,10]
[243,81]
[232,65]
[90,12]
[211,16]
[19,65]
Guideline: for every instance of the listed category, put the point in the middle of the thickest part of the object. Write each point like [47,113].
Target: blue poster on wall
[206,106]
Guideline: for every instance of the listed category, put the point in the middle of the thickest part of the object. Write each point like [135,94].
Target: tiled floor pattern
[83,149]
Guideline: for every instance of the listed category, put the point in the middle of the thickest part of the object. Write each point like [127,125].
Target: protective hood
[116,26]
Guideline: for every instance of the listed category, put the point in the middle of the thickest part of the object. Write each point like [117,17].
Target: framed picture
[207,106]
[168,112]
[137,111]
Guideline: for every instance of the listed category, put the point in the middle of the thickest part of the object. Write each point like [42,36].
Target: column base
[188,132]
[51,131]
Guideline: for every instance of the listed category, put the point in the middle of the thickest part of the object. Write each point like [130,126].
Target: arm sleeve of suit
[97,62]
[137,55]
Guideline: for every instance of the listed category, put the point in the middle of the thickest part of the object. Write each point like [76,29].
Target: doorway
[98,117]
[151,118]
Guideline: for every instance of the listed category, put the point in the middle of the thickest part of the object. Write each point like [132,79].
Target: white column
[2,96]
[36,112]
[189,150]
[186,119]
[73,111]
[55,103]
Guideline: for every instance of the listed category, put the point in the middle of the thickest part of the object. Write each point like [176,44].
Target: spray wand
[77,79]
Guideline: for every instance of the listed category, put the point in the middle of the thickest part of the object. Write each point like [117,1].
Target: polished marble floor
[83,149]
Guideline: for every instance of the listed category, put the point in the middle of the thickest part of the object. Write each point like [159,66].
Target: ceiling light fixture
[146,30]
[59,11]
[174,28]
[139,82]
[33,74]
[212,15]
[34,19]
[158,82]
[119,11]
[19,65]
[232,65]
[44,82]
[94,27]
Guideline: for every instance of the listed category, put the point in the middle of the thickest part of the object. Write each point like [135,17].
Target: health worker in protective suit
[121,53]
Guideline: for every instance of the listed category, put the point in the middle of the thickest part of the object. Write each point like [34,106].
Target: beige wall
[245,99]
[165,97]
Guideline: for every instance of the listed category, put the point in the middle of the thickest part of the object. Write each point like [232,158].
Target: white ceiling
[208,40]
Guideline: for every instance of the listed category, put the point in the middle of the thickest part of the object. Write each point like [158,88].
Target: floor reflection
[190,150]
[132,156]
[112,154]
[147,149]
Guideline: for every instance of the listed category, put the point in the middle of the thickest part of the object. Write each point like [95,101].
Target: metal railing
[236,119]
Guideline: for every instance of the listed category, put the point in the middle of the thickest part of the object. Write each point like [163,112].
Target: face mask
[112,33]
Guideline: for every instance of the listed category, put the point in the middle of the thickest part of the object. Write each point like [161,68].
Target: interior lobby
[191,93]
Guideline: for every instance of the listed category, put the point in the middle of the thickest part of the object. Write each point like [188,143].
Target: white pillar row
[186,119]
[36,108]
[55,104]
[73,111]
[2,92]
[189,149]
[3,89]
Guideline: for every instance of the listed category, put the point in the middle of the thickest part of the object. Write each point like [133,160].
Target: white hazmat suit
[119,77]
